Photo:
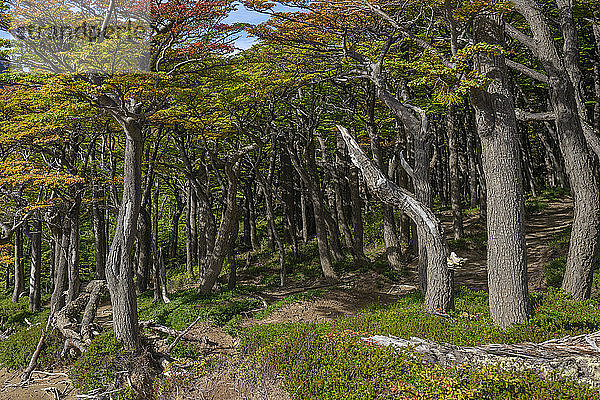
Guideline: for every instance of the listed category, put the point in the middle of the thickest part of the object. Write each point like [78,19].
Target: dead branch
[182,334]
[572,356]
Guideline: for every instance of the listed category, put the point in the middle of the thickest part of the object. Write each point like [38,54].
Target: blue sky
[241,14]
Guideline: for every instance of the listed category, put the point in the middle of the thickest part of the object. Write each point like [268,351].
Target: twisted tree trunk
[439,295]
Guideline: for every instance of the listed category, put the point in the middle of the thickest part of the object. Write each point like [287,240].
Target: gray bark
[35,238]
[496,126]
[119,271]
[573,141]
[19,273]
[439,295]
[455,189]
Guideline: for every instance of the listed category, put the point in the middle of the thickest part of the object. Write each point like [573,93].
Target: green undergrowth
[100,366]
[187,305]
[554,270]
[330,361]
[24,328]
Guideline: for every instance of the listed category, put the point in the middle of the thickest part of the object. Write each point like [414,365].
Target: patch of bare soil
[42,386]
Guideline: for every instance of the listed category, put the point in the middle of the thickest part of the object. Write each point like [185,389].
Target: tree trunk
[496,125]
[174,236]
[596,30]
[19,283]
[393,247]
[119,271]
[100,240]
[439,295]
[61,273]
[144,247]
[271,221]
[573,141]
[357,219]
[229,221]
[191,231]
[455,199]
[35,238]
[73,251]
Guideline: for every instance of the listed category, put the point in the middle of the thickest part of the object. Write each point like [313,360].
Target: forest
[374,199]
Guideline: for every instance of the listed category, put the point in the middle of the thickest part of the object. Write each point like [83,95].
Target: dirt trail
[11,389]
[540,229]
[370,289]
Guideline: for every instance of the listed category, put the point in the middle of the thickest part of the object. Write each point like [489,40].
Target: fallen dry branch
[175,333]
[182,334]
[36,354]
[577,357]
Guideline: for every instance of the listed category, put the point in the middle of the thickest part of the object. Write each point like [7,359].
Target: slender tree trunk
[393,247]
[100,239]
[304,212]
[191,231]
[19,283]
[312,183]
[439,295]
[174,236]
[496,125]
[455,200]
[61,273]
[144,247]
[357,220]
[73,219]
[35,290]
[266,188]
[229,222]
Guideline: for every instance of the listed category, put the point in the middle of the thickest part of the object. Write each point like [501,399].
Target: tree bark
[439,295]
[73,219]
[229,221]
[35,238]
[19,282]
[393,246]
[61,273]
[496,125]
[119,271]
[100,239]
[144,250]
[455,198]
[579,163]
[191,231]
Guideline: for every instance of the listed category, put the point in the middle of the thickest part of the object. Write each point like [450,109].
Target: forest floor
[322,303]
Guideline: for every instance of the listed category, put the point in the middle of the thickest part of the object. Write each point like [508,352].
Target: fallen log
[577,357]
[78,335]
